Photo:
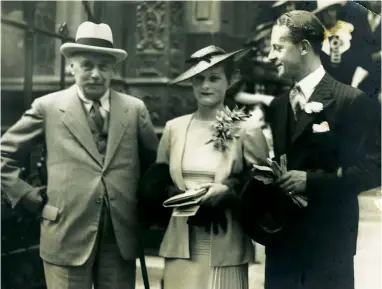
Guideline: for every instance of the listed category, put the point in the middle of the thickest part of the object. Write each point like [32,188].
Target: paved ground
[368,261]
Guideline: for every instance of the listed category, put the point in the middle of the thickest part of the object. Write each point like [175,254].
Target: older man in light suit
[94,137]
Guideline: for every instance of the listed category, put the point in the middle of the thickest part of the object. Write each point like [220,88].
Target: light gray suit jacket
[77,178]
[234,246]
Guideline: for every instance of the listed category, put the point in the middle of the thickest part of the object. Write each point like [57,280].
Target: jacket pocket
[50,213]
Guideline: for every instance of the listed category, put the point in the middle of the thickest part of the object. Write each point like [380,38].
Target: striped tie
[95,113]
[297,100]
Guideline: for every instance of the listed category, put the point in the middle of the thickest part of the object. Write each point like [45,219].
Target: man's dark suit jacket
[340,163]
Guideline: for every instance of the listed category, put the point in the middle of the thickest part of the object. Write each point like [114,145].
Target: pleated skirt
[196,272]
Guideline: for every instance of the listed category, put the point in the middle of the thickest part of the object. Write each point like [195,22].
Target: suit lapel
[178,150]
[281,113]
[117,126]
[75,120]
[321,94]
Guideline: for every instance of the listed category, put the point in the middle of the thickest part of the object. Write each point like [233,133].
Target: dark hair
[303,25]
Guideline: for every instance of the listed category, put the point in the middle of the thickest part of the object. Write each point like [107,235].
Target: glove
[208,217]
[173,190]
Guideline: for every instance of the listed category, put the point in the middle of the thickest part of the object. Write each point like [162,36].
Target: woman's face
[210,86]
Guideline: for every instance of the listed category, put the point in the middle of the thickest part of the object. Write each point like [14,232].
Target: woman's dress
[199,164]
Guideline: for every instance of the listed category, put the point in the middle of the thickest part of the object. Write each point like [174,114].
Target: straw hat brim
[204,65]
[67,49]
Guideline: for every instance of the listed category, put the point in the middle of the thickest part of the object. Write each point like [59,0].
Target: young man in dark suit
[330,135]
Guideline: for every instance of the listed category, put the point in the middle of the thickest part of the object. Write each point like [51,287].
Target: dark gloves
[208,217]
[173,190]
[212,210]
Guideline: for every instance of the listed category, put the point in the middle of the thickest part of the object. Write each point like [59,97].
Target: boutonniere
[225,128]
[313,106]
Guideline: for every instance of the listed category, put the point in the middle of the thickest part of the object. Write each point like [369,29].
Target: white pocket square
[322,127]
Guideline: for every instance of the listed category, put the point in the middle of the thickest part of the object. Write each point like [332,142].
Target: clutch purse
[189,197]
[185,204]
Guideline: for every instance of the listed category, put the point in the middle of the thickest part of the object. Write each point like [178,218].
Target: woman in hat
[208,250]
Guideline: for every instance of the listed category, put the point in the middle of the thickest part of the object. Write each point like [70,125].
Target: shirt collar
[309,82]
[374,20]
[104,100]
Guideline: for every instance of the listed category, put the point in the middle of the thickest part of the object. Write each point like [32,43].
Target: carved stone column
[156,55]
[223,23]
[211,22]
[159,39]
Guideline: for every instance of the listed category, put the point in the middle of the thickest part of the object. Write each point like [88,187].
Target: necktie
[95,113]
[297,100]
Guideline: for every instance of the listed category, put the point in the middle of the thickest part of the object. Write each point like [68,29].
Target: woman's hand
[215,195]
[211,214]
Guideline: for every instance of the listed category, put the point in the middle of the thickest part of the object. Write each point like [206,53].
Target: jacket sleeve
[148,140]
[16,144]
[163,155]
[359,149]
[255,148]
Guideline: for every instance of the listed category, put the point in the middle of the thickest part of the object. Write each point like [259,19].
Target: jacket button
[98,200]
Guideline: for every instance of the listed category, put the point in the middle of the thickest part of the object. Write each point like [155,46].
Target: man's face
[92,73]
[285,55]
[210,86]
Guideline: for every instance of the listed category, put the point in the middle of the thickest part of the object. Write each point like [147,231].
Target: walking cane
[145,276]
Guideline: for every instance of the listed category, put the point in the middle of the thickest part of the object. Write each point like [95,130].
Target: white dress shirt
[308,83]
[104,100]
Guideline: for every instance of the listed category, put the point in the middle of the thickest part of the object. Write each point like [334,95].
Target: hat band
[195,60]
[95,42]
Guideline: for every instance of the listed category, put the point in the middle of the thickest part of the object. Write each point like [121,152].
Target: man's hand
[34,200]
[215,195]
[292,182]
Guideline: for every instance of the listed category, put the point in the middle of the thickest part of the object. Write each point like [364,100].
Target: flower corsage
[225,128]
[313,106]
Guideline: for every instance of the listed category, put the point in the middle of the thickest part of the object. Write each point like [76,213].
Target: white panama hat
[203,59]
[93,37]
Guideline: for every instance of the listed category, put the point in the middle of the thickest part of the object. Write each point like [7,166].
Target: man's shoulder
[130,100]
[55,97]
[342,90]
